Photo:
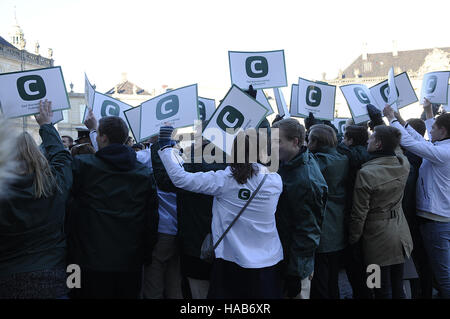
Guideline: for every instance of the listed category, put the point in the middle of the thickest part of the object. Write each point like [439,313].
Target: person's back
[354,146]
[377,215]
[113,217]
[334,168]
[194,216]
[385,178]
[246,260]
[32,239]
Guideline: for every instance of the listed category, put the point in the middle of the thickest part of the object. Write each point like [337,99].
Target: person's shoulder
[84,159]
[142,167]
[275,180]
[370,170]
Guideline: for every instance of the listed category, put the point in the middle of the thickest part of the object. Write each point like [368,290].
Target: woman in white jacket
[433,189]
[247,259]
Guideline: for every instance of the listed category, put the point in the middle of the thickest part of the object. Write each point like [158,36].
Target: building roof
[378,64]
[127,87]
[6,43]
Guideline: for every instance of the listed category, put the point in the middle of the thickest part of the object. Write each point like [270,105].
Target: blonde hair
[8,150]
[32,161]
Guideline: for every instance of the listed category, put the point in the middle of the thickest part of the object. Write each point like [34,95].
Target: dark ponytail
[242,169]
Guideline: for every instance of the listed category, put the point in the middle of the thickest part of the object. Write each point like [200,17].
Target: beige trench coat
[377,216]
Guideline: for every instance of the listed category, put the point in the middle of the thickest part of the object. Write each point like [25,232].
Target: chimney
[124,77]
[394,48]
[364,51]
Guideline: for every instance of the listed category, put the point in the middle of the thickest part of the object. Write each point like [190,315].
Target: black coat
[114,213]
[32,230]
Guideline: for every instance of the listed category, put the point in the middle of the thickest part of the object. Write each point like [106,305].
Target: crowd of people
[135,217]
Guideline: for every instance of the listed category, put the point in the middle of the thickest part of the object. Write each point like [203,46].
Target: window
[367,66]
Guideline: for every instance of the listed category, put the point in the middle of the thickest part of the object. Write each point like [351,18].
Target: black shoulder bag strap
[240,213]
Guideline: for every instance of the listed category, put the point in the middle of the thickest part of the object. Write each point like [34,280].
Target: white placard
[206,108]
[57,117]
[262,98]
[294,100]
[133,118]
[316,98]
[20,92]
[435,87]
[238,111]
[405,91]
[281,103]
[104,105]
[339,123]
[393,93]
[178,107]
[447,106]
[261,69]
[89,92]
[357,97]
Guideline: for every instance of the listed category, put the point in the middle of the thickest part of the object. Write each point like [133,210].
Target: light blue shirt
[168,223]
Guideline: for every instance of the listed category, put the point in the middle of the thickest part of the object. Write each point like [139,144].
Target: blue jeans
[436,239]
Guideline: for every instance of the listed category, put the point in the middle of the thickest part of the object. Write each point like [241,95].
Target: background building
[15,57]
[372,68]
[368,69]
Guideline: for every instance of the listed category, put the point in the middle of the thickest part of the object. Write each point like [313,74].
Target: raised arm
[408,128]
[210,183]
[421,148]
[59,158]
[92,124]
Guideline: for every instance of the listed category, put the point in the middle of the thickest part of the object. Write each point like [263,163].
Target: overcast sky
[183,42]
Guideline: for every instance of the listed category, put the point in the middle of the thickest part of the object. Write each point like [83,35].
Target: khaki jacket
[377,216]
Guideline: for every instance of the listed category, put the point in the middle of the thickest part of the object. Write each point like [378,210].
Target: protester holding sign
[354,146]
[433,188]
[322,143]
[162,277]
[246,261]
[113,217]
[409,208]
[32,241]
[193,215]
[301,208]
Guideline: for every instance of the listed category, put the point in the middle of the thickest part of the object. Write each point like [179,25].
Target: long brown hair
[242,167]
[32,161]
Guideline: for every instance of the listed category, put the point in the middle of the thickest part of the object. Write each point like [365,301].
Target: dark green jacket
[300,213]
[409,197]
[194,210]
[32,230]
[114,213]
[334,168]
[357,156]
